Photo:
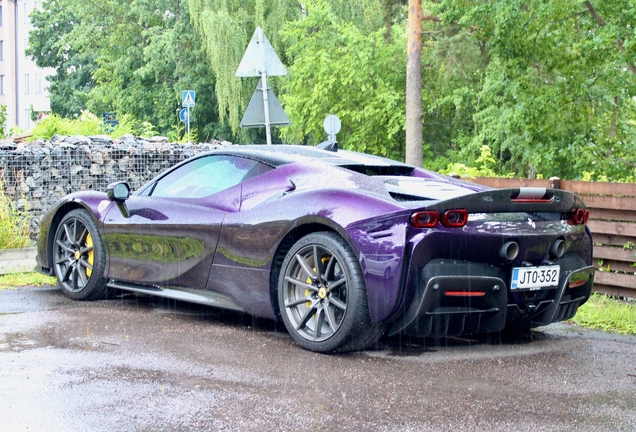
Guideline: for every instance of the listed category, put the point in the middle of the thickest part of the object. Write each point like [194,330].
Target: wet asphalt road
[136,363]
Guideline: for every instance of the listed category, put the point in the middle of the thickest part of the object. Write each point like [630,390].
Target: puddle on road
[409,346]
[49,338]
[177,308]
[17,343]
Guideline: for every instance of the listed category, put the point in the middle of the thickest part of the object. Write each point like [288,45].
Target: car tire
[78,257]
[322,296]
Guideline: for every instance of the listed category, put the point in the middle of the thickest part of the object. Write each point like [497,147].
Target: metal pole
[188,123]
[264,88]
[332,136]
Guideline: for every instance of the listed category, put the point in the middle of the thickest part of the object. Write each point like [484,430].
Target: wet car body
[431,255]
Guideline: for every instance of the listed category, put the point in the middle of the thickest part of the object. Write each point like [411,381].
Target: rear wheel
[78,257]
[322,296]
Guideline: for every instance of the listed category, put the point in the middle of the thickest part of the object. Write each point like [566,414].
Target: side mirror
[119,191]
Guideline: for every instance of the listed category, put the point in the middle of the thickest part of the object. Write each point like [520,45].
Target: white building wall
[26,87]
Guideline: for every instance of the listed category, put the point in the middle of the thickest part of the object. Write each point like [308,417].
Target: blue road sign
[184,115]
[110,120]
[187,98]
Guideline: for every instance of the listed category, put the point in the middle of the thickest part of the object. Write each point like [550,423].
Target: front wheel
[78,257]
[322,296]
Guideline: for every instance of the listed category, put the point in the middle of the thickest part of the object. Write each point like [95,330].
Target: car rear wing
[512,201]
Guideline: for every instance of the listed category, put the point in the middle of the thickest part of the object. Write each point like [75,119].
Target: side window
[204,176]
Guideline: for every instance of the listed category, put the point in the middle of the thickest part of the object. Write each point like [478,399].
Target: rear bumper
[461,297]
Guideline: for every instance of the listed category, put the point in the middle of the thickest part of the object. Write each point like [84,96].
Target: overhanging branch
[601,22]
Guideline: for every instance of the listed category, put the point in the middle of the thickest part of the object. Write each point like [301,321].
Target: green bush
[14,224]
[89,124]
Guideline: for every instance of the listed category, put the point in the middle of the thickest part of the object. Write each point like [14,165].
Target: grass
[14,225]
[13,280]
[605,313]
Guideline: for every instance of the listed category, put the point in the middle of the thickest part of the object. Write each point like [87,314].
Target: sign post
[261,60]
[264,81]
[187,101]
[332,126]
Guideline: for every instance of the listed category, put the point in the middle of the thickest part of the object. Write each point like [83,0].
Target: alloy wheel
[315,293]
[74,255]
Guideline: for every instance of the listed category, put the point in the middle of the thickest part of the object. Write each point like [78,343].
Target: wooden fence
[612,222]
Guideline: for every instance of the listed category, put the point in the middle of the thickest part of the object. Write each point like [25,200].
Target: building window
[0,16]
[2,85]
[38,83]
[27,118]
[26,15]
[26,84]
[1,50]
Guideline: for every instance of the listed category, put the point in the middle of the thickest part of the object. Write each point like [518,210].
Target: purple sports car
[340,246]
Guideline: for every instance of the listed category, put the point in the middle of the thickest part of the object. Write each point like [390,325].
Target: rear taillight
[580,216]
[455,218]
[425,219]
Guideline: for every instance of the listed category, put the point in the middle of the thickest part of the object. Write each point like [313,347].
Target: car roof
[277,155]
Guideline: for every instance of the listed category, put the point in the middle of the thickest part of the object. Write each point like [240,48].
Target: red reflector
[465,293]
[580,216]
[455,218]
[577,283]
[425,219]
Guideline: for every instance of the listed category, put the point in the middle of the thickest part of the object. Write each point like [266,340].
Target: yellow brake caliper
[91,254]
[325,260]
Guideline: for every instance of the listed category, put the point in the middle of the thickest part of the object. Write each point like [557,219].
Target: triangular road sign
[254,116]
[187,98]
[252,59]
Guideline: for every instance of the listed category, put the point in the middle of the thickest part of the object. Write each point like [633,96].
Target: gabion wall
[36,174]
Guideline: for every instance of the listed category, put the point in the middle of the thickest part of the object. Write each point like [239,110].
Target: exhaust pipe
[509,251]
[557,249]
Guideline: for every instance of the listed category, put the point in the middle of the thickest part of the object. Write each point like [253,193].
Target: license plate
[534,278]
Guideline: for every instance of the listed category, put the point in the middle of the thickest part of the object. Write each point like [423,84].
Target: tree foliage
[556,96]
[337,69]
[133,57]
[51,45]
[527,87]
[226,27]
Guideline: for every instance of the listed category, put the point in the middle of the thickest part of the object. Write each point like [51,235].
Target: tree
[134,56]
[557,95]
[52,46]
[336,68]
[226,27]
[414,84]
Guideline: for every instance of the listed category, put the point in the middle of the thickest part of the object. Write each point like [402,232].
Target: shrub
[14,224]
[89,124]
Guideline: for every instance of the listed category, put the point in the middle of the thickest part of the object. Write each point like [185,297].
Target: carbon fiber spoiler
[511,201]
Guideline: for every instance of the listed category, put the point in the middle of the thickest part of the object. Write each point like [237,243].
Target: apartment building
[23,86]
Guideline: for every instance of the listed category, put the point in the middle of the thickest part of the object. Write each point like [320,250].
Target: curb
[17,260]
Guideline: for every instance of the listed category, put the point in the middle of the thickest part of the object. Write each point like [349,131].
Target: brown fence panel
[598,188]
[612,223]
[503,183]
